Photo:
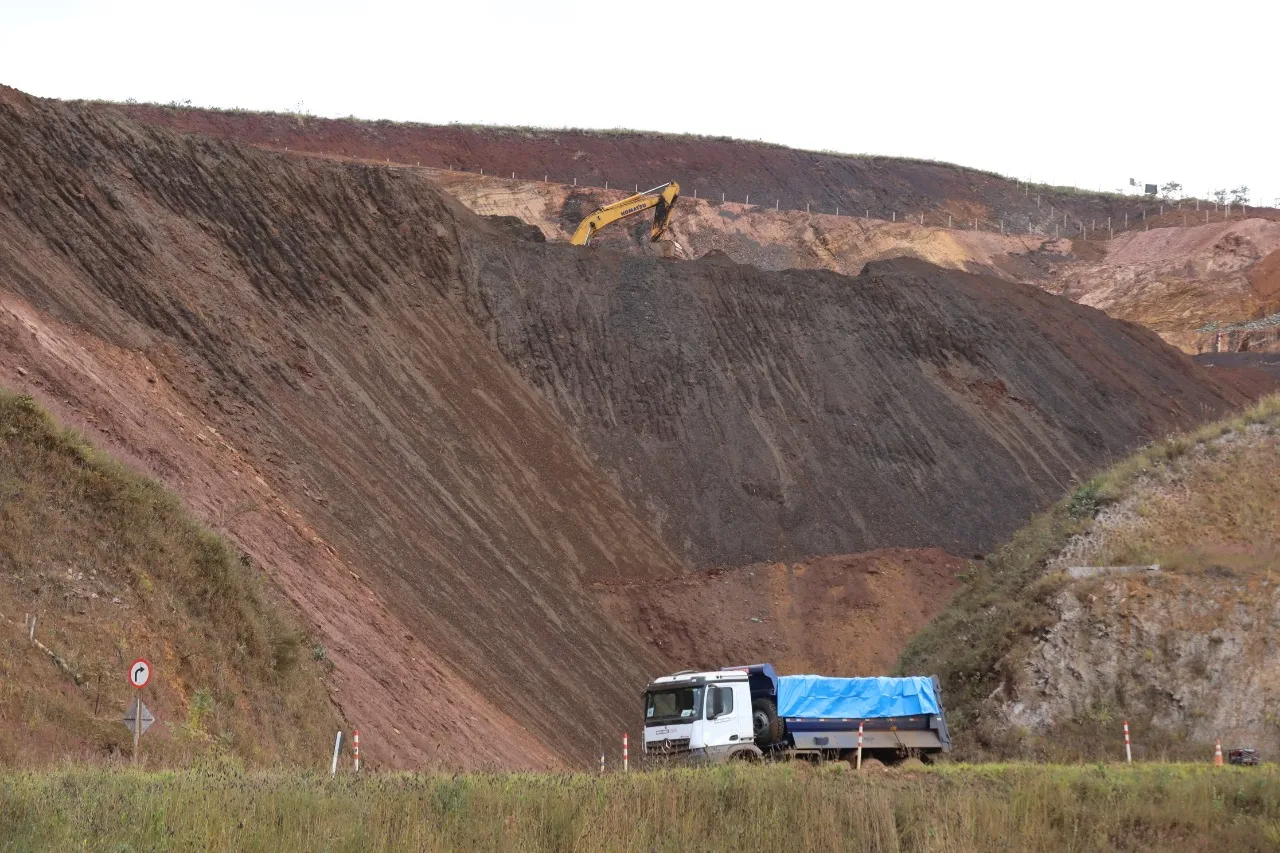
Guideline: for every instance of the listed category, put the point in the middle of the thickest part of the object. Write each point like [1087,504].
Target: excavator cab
[661,199]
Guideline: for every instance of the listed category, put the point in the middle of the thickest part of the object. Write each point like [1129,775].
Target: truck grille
[668,746]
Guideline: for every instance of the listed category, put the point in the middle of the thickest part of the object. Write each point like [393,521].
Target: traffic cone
[1217,753]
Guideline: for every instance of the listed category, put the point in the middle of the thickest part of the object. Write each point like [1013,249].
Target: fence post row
[1030,229]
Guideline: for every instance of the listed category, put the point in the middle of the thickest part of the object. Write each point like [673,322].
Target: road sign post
[137,724]
[139,675]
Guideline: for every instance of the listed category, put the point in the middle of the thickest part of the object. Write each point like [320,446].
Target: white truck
[750,712]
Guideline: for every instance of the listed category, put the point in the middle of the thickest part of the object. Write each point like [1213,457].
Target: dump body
[894,713]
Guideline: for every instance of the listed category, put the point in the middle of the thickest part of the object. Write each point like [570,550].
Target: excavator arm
[663,198]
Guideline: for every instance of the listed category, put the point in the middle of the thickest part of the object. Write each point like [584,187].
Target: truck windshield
[678,705]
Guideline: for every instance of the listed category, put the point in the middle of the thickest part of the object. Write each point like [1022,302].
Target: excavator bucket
[662,213]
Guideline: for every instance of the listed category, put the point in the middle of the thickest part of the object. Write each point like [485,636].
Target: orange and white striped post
[624,752]
[860,722]
[1217,753]
[355,747]
[1128,750]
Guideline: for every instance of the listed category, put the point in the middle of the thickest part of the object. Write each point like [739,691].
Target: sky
[1084,93]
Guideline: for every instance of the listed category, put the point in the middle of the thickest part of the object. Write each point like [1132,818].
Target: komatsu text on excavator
[662,197]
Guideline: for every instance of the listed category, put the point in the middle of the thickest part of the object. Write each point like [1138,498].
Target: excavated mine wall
[300,310]
[359,338]
[762,415]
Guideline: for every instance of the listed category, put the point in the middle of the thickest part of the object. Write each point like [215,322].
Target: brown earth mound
[312,353]
[846,615]
[759,416]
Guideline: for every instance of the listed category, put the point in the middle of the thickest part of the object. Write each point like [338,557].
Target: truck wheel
[765,722]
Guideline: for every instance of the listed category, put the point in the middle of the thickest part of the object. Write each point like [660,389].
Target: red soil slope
[271,339]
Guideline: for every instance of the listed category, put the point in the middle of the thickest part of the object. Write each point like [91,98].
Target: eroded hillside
[752,415]
[272,338]
[1184,269]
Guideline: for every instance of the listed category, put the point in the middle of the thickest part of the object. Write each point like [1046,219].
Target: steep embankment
[271,338]
[1069,628]
[761,416]
[112,568]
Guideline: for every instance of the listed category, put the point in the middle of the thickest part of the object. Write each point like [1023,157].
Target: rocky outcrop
[1193,657]
[1187,647]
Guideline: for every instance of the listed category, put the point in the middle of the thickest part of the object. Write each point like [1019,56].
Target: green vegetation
[784,807]
[114,568]
[1006,600]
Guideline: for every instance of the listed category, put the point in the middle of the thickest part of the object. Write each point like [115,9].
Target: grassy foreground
[784,807]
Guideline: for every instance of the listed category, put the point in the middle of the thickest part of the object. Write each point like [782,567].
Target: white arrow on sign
[139,673]
[131,717]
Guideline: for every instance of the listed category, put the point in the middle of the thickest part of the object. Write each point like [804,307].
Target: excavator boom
[663,198]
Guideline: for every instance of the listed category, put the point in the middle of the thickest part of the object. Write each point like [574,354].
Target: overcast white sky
[1084,93]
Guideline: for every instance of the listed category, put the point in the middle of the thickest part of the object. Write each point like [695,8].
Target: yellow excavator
[662,197]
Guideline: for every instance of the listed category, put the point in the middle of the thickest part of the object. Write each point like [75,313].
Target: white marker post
[625,761]
[337,745]
[1128,750]
[860,722]
[355,747]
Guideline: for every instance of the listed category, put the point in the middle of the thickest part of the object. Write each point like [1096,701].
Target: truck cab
[700,715]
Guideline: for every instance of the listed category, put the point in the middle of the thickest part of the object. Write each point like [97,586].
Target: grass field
[781,807]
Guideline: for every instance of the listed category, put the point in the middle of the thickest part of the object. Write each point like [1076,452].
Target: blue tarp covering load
[855,698]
